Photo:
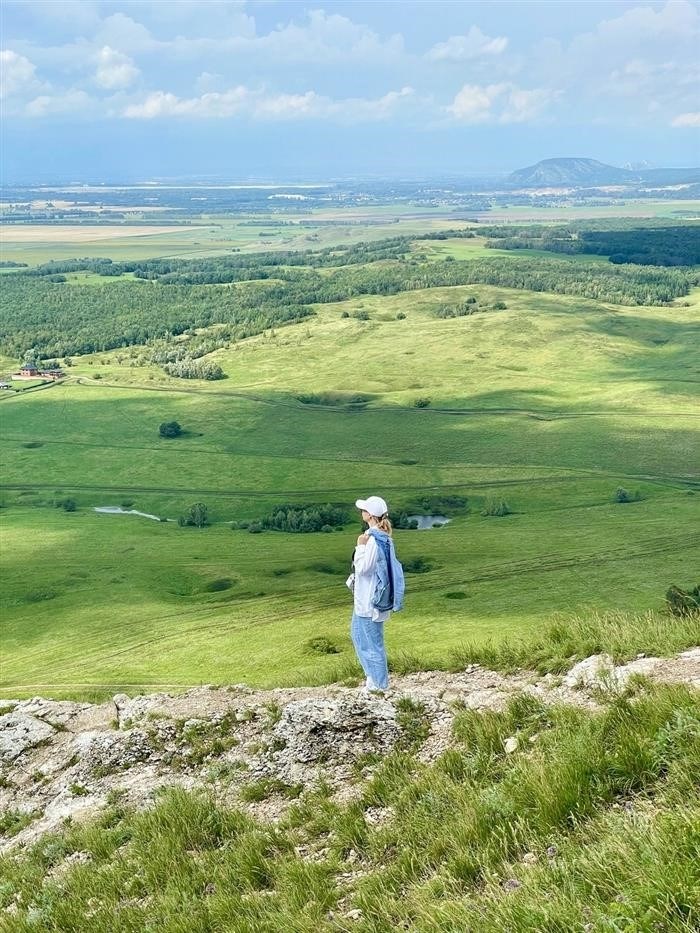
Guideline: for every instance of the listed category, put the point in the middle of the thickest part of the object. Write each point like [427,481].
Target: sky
[131,90]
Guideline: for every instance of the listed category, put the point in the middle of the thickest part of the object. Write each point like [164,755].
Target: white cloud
[474,102]
[262,105]
[677,19]
[686,119]
[357,109]
[325,39]
[499,103]
[17,74]
[164,104]
[195,18]
[46,105]
[114,69]
[123,32]
[321,39]
[461,48]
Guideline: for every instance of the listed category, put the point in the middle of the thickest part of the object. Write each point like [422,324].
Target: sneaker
[371,687]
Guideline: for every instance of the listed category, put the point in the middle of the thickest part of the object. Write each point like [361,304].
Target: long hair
[383,524]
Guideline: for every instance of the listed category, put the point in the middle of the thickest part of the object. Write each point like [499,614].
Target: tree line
[658,246]
[60,319]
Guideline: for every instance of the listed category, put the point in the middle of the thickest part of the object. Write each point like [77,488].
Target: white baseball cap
[375,505]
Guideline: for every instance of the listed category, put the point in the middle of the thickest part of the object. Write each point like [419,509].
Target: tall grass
[562,642]
[593,823]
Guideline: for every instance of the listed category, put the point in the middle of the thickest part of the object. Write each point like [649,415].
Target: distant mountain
[589,173]
[670,176]
[584,173]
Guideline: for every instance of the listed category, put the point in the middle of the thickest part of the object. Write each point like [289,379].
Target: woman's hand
[363,539]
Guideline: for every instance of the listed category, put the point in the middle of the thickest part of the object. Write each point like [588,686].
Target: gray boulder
[320,730]
[20,732]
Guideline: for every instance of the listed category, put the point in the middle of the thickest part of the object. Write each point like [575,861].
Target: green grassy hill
[551,404]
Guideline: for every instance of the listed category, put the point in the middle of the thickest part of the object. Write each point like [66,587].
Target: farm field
[198,235]
[552,404]
[568,212]
[212,235]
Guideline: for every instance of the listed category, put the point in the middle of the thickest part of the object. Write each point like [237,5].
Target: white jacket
[362,582]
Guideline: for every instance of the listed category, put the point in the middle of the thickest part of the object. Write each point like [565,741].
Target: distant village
[28,373]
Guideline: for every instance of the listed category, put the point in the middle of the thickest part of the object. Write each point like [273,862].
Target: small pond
[117,510]
[428,521]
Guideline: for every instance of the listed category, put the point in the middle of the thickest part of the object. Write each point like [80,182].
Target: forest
[247,294]
[677,245]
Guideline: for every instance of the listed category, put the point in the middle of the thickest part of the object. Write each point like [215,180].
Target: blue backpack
[389,579]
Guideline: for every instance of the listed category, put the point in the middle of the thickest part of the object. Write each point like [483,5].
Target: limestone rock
[111,751]
[323,730]
[19,732]
[591,672]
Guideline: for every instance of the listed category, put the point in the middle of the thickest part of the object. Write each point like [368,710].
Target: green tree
[196,515]
[170,429]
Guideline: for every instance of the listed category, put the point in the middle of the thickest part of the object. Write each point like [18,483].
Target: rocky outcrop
[20,732]
[60,759]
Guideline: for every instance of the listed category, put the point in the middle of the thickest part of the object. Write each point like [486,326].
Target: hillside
[212,766]
[577,413]
[577,172]
[477,794]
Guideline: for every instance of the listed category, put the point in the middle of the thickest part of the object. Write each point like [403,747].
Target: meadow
[196,235]
[552,404]
[192,234]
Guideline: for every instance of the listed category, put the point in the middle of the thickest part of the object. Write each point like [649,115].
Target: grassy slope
[592,824]
[560,401]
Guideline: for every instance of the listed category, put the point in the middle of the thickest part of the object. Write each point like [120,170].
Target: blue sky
[133,89]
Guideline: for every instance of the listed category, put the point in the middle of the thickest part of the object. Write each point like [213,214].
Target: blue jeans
[368,639]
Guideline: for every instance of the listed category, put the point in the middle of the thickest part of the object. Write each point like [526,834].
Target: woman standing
[367,625]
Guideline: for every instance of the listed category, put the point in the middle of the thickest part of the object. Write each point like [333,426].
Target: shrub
[194,369]
[400,316]
[354,399]
[622,495]
[417,565]
[421,402]
[196,515]
[498,507]
[39,596]
[437,505]
[683,602]
[217,586]
[170,429]
[345,314]
[255,528]
[320,644]
[401,520]
[13,821]
[301,519]
[361,315]
[68,505]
